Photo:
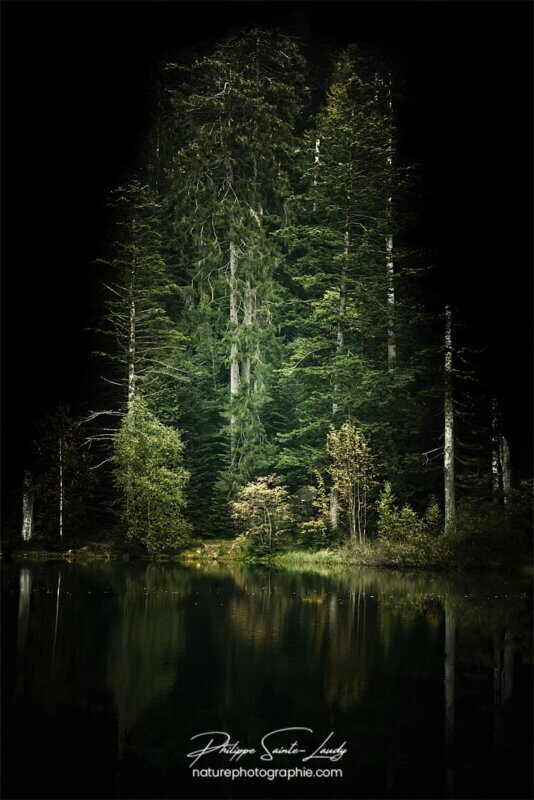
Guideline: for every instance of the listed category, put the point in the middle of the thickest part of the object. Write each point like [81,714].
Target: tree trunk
[495,459]
[392,342]
[390,268]
[448,460]
[342,307]
[234,364]
[131,345]
[506,466]
[334,500]
[247,321]
[27,506]
[60,488]
[317,153]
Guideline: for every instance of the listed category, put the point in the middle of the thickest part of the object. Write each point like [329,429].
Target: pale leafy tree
[262,511]
[149,471]
[352,474]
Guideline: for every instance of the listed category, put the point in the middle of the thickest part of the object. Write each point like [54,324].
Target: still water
[109,670]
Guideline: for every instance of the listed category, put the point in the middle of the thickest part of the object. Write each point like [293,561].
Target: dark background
[78,88]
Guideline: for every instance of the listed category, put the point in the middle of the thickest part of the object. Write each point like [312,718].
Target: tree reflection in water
[426,676]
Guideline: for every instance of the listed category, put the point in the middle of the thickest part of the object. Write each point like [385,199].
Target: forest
[280,371]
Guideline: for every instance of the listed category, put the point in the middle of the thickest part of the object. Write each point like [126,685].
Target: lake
[109,670]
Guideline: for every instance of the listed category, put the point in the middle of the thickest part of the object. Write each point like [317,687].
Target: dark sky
[77,81]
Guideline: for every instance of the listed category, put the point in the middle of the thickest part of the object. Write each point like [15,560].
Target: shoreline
[213,552]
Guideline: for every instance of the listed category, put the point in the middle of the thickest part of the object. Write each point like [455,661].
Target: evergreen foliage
[263,314]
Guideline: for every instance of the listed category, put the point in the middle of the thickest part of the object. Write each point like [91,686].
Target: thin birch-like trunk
[234,364]
[131,343]
[495,459]
[392,343]
[60,488]
[390,267]
[334,499]
[317,155]
[247,321]
[448,459]
[27,506]
[506,466]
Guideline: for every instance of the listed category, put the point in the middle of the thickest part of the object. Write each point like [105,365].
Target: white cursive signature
[271,746]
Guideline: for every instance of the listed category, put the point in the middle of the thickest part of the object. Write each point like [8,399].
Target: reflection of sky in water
[116,667]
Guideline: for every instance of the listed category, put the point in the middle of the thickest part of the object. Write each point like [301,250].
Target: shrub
[433,520]
[262,512]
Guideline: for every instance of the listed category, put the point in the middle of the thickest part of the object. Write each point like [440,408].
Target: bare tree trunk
[27,506]
[131,345]
[60,488]
[334,509]
[234,364]
[392,343]
[247,320]
[506,466]
[448,460]
[317,152]
[334,499]
[495,459]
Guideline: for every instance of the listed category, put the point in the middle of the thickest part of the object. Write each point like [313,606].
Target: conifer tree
[238,108]
[341,279]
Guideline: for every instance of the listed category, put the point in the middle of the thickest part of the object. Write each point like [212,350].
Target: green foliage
[142,347]
[396,524]
[237,108]
[150,474]
[263,514]
[316,533]
[433,518]
[482,536]
[252,296]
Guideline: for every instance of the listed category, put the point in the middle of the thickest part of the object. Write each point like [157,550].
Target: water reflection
[427,677]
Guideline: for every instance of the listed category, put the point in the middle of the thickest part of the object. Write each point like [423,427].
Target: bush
[262,512]
[483,537]
[433,520]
